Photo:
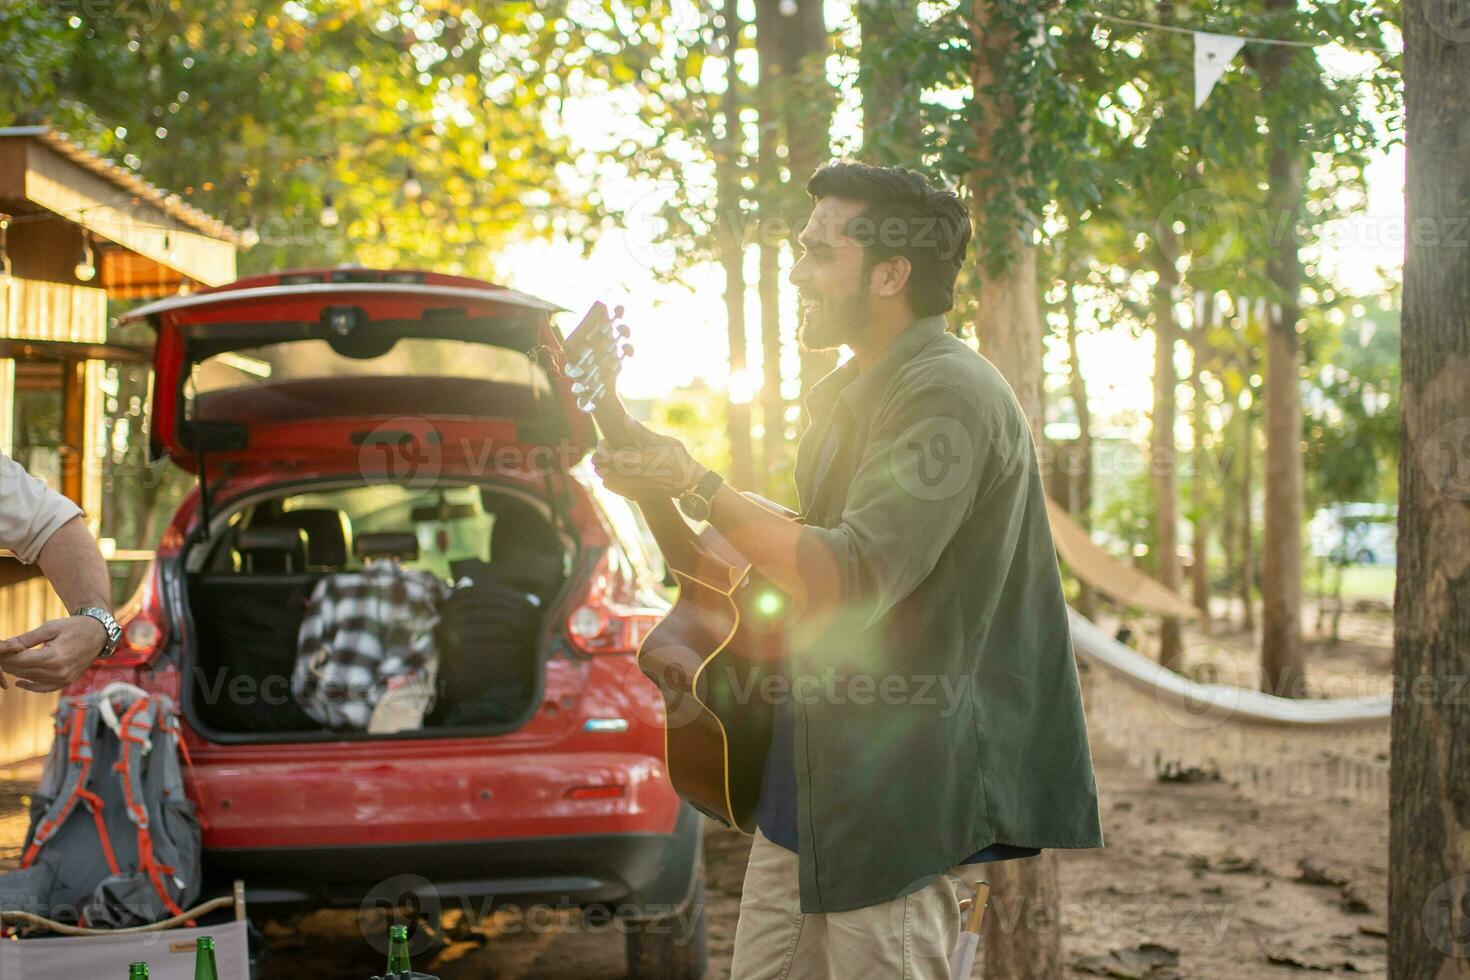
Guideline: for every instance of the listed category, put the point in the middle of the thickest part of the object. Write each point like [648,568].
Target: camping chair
[962,960]
[167,949]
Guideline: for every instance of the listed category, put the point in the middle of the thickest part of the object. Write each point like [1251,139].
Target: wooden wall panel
[33,310]
[25,718]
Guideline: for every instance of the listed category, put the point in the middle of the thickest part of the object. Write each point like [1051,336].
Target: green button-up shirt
[939,712]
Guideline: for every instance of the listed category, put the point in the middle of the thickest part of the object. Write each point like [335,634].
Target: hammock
[1272,747]
[1115,579]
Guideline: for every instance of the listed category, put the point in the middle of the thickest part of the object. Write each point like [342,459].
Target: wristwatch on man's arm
[695,502]
[114,633]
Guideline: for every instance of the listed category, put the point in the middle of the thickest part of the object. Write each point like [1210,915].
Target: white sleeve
[30,511]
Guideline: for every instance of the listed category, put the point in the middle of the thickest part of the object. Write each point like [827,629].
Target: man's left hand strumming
[660,467]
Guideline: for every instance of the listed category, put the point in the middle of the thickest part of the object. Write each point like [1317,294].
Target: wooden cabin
[75,231]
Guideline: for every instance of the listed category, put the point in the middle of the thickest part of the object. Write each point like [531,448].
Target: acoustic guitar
[725,633]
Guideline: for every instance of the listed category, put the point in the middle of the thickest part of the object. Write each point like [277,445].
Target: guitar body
[710,657]
[725,634]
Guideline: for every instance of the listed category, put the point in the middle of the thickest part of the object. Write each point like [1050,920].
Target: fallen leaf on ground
[1230,864]
[1149,960]
[1353,902]
[1295,961]
[1314,874]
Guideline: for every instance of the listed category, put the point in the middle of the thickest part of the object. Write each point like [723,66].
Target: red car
[345,405]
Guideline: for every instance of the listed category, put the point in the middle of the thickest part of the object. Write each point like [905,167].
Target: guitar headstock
[592,355]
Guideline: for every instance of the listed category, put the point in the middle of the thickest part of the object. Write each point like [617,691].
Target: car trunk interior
[474,570]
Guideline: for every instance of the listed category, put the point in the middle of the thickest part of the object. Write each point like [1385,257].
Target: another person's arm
[40,526]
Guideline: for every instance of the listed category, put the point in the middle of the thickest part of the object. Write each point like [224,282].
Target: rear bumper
[639,875]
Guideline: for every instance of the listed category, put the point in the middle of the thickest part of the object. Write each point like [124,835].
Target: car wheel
[674,947]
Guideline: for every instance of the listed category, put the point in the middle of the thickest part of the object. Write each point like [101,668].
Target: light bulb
[787,8]
[487,157]
[86,267]
[328,217]
[412,189]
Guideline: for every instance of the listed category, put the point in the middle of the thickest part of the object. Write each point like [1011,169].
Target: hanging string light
[4,255]
[329,216]
[487,158]
[412,189]
[788,8]
[86,267]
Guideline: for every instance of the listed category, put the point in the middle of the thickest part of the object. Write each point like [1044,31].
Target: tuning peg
[574,371]
[622,331]
[625,351]
[588,402]
[578,388]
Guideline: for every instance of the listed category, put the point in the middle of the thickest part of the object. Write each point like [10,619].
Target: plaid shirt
[361,631]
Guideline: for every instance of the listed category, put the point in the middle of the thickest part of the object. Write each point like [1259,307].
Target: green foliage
[33,51]
[259,112]
[1351,424]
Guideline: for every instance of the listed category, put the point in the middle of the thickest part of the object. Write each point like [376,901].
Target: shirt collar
[860,389]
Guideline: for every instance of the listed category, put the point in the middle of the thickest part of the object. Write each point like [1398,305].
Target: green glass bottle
[137,971]
[204,968]
[398,950]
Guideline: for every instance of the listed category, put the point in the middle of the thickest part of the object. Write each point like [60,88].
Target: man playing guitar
[930,716]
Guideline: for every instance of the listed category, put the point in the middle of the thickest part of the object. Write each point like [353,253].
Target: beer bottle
[398,951]
[137,971]
[204,968]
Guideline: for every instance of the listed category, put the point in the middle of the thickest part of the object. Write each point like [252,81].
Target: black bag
[487,637]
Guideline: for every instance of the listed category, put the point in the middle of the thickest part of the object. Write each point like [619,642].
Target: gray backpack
[114,841]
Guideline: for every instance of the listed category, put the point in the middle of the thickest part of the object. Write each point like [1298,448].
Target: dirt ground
[1197,880]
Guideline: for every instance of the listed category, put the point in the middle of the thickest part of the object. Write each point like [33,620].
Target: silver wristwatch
[114,633]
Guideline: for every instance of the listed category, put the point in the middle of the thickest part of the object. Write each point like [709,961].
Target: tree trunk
[1163,456]
[1079,473]
[890,134]
[809,103]
[1008,325]
[774,194]
[1336,635]
[1282,664]
[1247,532]
[1229,545]
[1008,322]
[1283,669]
[1429,812]
[1199,513]
[732,252]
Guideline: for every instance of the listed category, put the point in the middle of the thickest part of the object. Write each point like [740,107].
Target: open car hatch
[377,366]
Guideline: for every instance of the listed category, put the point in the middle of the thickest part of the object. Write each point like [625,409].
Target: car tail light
[609,618]
[144,626]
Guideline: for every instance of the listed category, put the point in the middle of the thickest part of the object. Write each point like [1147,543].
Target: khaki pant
[909,938]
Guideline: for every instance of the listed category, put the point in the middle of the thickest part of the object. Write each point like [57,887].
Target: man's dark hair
[908,216]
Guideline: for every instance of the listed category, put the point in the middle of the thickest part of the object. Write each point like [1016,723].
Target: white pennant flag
[1212,54]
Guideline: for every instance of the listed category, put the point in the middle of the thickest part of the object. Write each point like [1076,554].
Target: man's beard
[835,323]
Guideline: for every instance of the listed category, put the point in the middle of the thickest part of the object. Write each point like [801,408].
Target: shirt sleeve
[30,511]
[927,459]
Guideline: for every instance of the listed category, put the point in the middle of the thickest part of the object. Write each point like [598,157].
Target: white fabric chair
[169,954]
